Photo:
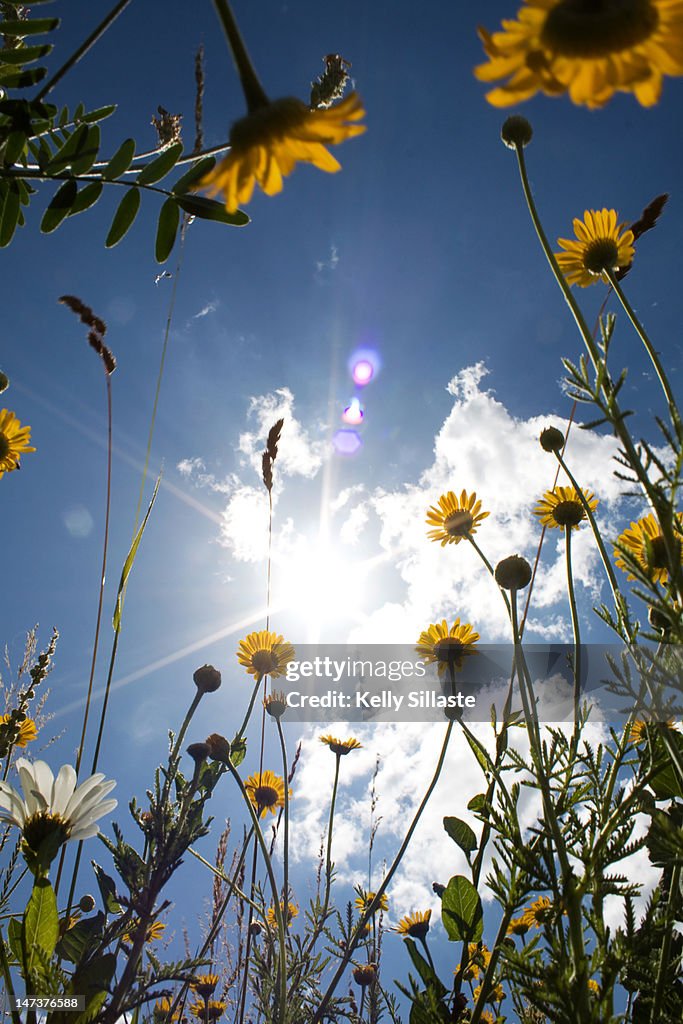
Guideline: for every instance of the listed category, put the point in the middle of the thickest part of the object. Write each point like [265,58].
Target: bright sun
[321,587]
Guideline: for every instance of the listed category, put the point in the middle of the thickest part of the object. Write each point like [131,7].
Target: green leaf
[107,890]
[195,172]
[426,972]
[10,208]
[666,783]
[100,114]
[461,834]
[41,925]
[160,167]
[167,228]
[128,564]
[124,217]
[121,160]
[82,936]
[461,911]
[477,804]
[14,930]
[209,209]
[70,151]
[30,27]
[479,752]
[11,79]
[238,750]
[88,156]
[87,197]
[60,206]
[25,54]
[14,147]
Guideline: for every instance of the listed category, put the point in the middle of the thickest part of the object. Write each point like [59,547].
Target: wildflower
[27,730]
[487,1017]
[594,986]
[207,679]
[538,913]
[53,811]
[562,507]
[518,926]
[266,792]
[365,974]
[447,646]
[644,542]
[341,747]
[415,925]
[364,899]
[154,932]
[478,957]
[454,518]
[513,573]
[266,145]
[600,245]
[264,654]
[276,704]
[205,984]
[495,994]
[14,441]
[212,1009]
[291,912]
[586,48]
[161,1010]
[639,728]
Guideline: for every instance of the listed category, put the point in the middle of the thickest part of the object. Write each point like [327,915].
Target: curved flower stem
[652,353]
[328,858]
[243,727]
[254,93]
[427,953]
[82,49]
[282,963]
[576,667]
[285,857]
[372,907]
[489,567]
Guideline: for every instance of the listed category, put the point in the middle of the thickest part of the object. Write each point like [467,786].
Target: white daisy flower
[49,805]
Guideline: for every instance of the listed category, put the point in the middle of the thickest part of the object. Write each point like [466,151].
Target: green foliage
[461,911]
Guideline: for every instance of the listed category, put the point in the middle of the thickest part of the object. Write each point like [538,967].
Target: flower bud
[516,132]
[207,679]
[86,903]
[255,928]
[365,974]
[199,752]
[4,382]
[552,439]
[219,748]
[513,573]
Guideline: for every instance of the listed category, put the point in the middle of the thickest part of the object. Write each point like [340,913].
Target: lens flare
[363,372]
[364,365]
[347,442]
[353,413]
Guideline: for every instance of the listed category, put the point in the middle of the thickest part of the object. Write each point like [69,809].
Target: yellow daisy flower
[14,441]
[487,1017]
[27,730]
[364,899]
[587,48]
[276,703]
[153,933]
[638,731]
[517,926]
[341,747]
[538,913]
[593,986]
[205,984]
[495,994]
[600,245]
[454,518]
[414,925]
[266,792]
[264,654]
[162,1008]
[266,145]
[211,1010]
[645,543]
[291,912]
[478,957]
[447,646]
[562,507]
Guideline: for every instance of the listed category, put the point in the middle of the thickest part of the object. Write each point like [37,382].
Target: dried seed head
[513,573]
[516,131]
[552,439]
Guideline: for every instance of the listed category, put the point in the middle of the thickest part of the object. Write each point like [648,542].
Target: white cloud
[330,264]
[194,469]
[351,529]
[210,307]
[299,454]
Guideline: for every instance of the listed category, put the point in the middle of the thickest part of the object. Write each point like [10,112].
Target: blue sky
[421,249]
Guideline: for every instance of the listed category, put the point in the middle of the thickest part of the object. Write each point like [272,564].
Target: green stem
[577,637]
[250,708]
[282,963]
[9,987]
[254,93]
[328,858]
[663,972]
[372,907]
[652,353]
[489,567]
[285,856]
[83,48]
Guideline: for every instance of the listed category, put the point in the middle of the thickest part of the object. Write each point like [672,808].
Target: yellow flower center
[568,513]
[264,662]
[4,446]
[459,524]
[601,255]
[268,124]
[449,650]
[42,825]
[656,553]
[598,28]
[266,796]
